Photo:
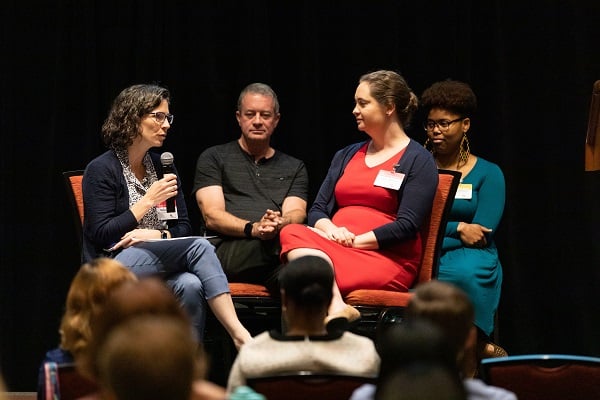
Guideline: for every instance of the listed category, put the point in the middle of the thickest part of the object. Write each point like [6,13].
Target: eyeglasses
[160,116]
[443,124]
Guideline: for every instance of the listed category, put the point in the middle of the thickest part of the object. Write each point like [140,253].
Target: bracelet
[248,230]
[163,234]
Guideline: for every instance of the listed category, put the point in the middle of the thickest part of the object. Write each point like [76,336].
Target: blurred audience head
[148,296]
[86,298]
[148,357]
[422,381]
[418,362]
[450,309]
[415,340]
[3,389]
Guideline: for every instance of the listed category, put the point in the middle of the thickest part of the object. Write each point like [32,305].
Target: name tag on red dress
[389,179]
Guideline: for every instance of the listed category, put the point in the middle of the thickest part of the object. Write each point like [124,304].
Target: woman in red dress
[366,218]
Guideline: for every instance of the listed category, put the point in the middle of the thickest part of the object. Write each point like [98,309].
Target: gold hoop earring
[464,152]
[427,145]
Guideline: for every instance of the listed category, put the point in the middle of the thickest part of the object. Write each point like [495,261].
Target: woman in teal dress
[469,256]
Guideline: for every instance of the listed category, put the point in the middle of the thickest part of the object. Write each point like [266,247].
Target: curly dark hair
[122,125]
[389,87]
[454,96]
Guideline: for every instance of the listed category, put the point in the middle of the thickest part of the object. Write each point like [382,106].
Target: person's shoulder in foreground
[364,392]
[349,343]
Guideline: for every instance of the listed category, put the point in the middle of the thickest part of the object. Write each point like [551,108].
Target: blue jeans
[189,266]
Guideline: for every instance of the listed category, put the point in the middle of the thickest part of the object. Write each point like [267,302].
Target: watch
[248,230]
[163,234]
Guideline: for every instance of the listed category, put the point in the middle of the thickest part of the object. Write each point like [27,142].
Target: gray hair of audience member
[262,89]
[149,357]
[307,281]
[390,88]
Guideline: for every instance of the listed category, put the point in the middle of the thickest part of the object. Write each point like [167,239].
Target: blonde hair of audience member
[86,297]
[149,296]
[449,308]
[148,357]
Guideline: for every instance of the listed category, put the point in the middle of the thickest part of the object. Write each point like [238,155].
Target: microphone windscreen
[166,158]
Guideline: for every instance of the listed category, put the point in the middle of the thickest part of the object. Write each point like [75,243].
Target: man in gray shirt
[247,191]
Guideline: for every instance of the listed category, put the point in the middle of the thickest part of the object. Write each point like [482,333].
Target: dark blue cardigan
[415,195]
[106,205]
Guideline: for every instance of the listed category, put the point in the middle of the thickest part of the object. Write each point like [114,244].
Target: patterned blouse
[138,189]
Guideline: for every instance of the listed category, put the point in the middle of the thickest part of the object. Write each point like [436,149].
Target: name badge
[464,191]
[163,214]
[389,179]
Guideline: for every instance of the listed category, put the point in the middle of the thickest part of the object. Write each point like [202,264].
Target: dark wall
[62,63]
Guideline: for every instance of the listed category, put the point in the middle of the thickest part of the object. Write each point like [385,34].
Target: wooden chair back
[380,308]
[432,234]
[303,385]
[545,376]
[75,194]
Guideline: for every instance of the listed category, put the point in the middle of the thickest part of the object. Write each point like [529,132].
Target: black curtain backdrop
[531,65]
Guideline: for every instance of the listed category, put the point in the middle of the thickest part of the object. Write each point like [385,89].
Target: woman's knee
[306,251]
[201,248]
[187,286]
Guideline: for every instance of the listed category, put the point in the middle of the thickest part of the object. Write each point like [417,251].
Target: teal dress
[476,270]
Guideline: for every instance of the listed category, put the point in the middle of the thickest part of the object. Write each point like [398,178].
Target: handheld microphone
[166,159]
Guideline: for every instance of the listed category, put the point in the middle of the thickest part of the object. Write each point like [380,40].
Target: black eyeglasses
[160,116]
[443,124]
